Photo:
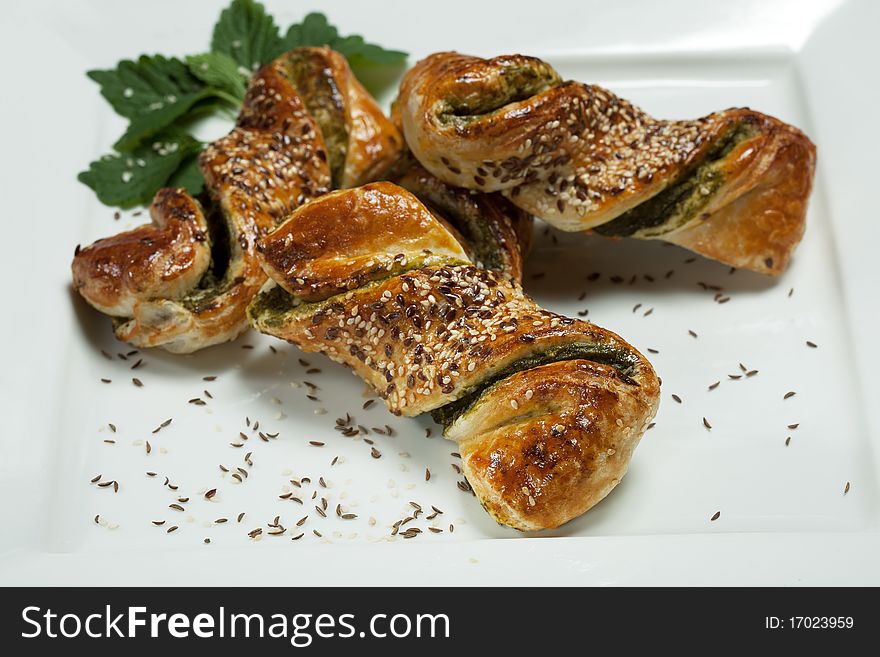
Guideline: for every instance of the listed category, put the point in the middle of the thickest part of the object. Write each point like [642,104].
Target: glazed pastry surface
[732,186]
[547,409]
[184,285]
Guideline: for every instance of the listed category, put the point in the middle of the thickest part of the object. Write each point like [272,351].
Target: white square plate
[784,516]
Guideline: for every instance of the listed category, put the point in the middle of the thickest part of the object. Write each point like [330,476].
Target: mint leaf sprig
[161,96]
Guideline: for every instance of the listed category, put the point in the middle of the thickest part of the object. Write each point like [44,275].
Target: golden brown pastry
[361,140]
[732,186]
[163,259]
[185,283]
[546,409]
[493,231]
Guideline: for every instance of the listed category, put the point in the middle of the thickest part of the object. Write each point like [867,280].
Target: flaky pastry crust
[732,185]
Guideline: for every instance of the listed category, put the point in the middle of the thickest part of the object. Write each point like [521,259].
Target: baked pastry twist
[184,282]
[546,410]
[493,231]
[732,186]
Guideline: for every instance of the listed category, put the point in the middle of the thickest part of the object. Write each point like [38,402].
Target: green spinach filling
[316,86]
[272,306]
[679,203]
[217,280]
[479,238]
[622,360]
[513,84]
[275,306]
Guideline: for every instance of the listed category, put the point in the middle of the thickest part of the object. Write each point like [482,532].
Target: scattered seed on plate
[714,385]
[715,516]
[846,488]
[706,423]
[789,394]
[137,382]
[677,398]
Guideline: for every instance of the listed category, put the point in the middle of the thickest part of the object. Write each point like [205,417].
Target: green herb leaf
[247,34]
[129,179]
[189,176]
[163,96]
[313,31]
[316,31]
[358,51]
[152,92]
[219,71]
